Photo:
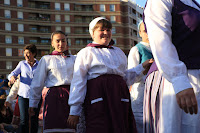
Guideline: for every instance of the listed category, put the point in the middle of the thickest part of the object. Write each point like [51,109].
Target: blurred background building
[32,22]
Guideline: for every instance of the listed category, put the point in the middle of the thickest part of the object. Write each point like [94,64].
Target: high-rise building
[32,22]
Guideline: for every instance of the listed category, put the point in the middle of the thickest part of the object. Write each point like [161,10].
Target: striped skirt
[108,107]
[161,113]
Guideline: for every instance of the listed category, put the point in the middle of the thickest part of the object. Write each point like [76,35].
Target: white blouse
[92,62]
[52,70]
[158,20]
[137,89]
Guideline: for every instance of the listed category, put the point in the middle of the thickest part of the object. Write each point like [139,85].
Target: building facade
[32,22]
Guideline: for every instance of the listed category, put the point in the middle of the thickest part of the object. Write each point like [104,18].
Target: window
[67,18]
[43,52]
[33,29]
[113,30]
[8,39]
[57,18]
[20,52]
[89,41]
[112,19]
[115,40]
[8,65]
[21,40]
[66,7]
[58,27]
[19,3]
[7,14]
[33,41]
[67,30]
[112,8]
[57,6]
[8,26]
[8,51]
[7,2]
[44,41]
[102,8]
[69,42]
[21,27]
[20,15]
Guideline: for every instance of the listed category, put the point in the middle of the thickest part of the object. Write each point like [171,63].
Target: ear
[52,44]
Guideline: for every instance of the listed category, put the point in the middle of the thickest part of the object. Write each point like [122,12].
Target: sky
[142,2]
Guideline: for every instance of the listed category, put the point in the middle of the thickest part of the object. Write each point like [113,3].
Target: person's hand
[31,111]
[13,79]
[146,65]
[7,104]
[187,101]
[73,121]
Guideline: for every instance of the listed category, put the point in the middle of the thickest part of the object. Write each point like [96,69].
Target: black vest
[186,33]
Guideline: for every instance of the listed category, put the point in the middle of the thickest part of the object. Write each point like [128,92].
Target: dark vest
[185,34]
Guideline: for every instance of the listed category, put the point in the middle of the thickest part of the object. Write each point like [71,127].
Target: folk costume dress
[55,72]
[173,27]
[100,85]
[137,55]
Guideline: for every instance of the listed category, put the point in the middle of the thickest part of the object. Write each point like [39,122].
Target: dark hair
[32,48]
[58,32]
[103,23]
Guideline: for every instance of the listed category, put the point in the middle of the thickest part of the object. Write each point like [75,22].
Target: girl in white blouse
[55,72]
[100,82]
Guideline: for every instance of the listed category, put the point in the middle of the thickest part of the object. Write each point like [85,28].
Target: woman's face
[59,42]
[143,33]
[102,36]
[28,55]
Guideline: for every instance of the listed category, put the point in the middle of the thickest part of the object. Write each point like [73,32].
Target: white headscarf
[139,24]
[93,23]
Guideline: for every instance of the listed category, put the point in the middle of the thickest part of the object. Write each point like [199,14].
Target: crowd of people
[156,89]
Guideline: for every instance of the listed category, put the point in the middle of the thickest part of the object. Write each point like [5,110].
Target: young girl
[137,55]
[99,81]
[55,72]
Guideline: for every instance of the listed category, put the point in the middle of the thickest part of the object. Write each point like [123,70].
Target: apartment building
[32,22]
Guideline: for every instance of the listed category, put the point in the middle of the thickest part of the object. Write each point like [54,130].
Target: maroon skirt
[56,109]
[108,107]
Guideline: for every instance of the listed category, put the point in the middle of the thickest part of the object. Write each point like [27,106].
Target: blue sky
[142,2]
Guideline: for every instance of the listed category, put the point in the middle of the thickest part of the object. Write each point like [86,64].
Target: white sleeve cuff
[181,83]
[75,110]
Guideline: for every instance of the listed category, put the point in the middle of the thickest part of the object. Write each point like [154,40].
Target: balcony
[39,5]
[82,7]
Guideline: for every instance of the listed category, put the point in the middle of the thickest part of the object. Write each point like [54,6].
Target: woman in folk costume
[100,82]
[172,97]
[137,55]
[55,72]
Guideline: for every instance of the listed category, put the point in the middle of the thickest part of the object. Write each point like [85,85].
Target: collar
[64,54]
[99,46]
